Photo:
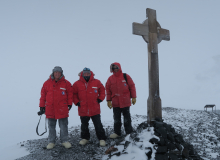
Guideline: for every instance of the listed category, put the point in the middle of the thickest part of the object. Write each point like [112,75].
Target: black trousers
[100,132]
[117,120]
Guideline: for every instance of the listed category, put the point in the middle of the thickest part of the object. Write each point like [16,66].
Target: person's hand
[133,101]
[99,101]
[69,107]
[109,104]
[42,111]
[78,104]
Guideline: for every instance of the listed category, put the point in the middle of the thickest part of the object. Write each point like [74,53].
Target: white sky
[35,36]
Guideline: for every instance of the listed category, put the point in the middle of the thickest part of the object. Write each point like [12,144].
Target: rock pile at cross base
[166,143]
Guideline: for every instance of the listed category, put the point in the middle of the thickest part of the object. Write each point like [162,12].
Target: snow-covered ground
[200,128]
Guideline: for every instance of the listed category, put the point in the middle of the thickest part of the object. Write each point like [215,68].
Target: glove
[69,107]
[78,104]
[109,104]
[99,101]
[42,111]
[133,101]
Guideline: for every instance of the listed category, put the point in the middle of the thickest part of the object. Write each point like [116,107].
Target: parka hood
[119,66]
[81,76]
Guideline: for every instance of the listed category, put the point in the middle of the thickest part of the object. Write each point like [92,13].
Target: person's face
[57,75]
[115,69]
[86,74]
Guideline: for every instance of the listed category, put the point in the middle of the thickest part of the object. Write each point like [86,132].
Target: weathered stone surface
[179,138]
[162,131]
[170,137]
[172,156]
[162,142]
[126,144]
[154,140]
[172,130]
[185,153]
[117,154]
[133,135]
[178,146]
[162,149]
[171,146]
[158,125]
[149,153]
[161,156]
[136,139]
[168,127]
[159,119]
[142,126]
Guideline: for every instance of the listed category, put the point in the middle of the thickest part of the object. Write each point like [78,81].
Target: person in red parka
[120,88]
[56,101]
[88,93]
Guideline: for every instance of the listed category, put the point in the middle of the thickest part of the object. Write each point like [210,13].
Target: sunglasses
[115,68]
[86,69]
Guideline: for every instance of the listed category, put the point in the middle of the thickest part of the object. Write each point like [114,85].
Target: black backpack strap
[125,77]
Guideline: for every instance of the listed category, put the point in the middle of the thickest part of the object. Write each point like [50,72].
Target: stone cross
[153,34]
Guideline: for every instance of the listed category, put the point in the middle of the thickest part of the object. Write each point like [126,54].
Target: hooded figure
[56,101]
[88,93]
[119,93]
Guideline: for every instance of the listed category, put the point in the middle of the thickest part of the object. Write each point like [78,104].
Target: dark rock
[133,135]
[117,154]
[172,130]
[148,154]
[136,139]
[178,146]
[168,127]
[162,149]
[126,144]
[171,146]
[158,119]
[179,138]
[119,140]
[185,153]
[162,142]
[186,145]
[170,137]
[153,140]
[156,134]
[162,131]
[161,156]
[172,156]
[191,152]
[142,126]
[158,124]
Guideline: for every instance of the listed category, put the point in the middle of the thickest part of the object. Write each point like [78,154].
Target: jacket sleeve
[101,91]
[69,93]
[108,91]
[131,86]
[43,95]
[75,93]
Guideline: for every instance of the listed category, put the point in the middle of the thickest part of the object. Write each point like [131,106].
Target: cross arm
[140,29]
[163,34]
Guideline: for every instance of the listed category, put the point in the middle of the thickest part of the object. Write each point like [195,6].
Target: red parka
[56,96]
[117,90]
[87,94]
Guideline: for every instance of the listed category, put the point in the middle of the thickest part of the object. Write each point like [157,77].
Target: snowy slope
[200,128]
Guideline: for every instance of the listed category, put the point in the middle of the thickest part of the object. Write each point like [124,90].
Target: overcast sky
[35,36]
